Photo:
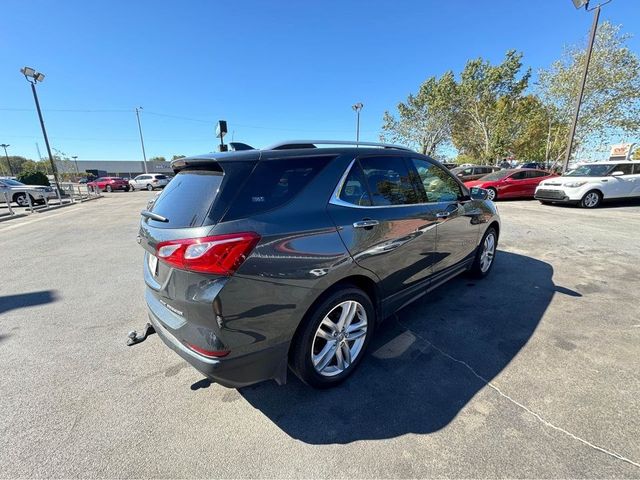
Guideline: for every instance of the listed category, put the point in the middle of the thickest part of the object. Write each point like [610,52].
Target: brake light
[219,254]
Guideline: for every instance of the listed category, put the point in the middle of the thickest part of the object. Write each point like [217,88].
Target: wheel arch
[360,281]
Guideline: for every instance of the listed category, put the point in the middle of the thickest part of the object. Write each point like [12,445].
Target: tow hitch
[134,338]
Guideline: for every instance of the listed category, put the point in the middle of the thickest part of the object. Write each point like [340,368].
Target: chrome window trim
[336,200]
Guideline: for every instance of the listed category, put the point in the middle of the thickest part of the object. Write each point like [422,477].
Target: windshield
[589,171]
[12,183]
[499,175]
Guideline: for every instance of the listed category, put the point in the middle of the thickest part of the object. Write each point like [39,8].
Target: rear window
[186,201]
[161,177]
[274,183]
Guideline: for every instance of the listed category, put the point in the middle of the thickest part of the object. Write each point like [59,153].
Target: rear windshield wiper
[154,216]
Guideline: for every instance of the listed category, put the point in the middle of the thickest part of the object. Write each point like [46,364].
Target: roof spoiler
[237,146]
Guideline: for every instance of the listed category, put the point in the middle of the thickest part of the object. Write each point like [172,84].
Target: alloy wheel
[591,199]
[491,194]
[339,339]
[22,200]
[488,252]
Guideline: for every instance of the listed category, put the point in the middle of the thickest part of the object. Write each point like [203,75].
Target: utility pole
[144,154]
[583,82]
[5,145]
[357,107]
[75,159]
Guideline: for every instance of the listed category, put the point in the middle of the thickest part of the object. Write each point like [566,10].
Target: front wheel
[591,199]
[492,194]
[485,254]
[333,338]
[109,189]
[21,199]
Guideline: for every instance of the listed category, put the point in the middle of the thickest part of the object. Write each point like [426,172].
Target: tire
[150,187]
[544,202]
[591,199]
[484,260]
[21,199]
[109,189]
[126,189]
[492,194]
[310,341]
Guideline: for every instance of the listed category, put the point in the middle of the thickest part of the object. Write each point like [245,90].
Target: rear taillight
[220,254]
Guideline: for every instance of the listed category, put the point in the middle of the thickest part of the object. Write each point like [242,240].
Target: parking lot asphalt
[532,372]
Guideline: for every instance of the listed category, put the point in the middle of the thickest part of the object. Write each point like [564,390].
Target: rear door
[385,226]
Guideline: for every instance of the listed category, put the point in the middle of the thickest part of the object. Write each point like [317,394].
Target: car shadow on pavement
[31,299]
[410,381]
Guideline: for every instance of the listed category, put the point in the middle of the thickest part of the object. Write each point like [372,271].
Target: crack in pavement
[515,402]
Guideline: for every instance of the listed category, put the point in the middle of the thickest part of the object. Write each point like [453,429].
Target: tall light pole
[33,77]
[5,145]
[144,154]
[75,159]
[357,107]
[583,82]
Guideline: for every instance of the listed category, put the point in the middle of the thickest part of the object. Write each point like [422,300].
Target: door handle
[366,223]
[444,214]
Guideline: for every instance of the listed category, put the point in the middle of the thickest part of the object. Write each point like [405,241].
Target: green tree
[33,178]
[157,159]
[16,163]
[176,157]
[611,102]
[488,100]
[424,120]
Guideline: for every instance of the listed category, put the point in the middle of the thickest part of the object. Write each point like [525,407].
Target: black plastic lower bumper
[269,363]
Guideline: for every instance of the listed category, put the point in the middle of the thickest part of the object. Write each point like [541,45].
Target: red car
[110,184]
[512,183]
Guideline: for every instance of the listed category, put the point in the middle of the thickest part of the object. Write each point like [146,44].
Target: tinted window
[186,201]
[536,174]
[161,177]
[519,175]
[627,168]
[273,183]
[437,183]
[636,168]
[354,190]
[389,182]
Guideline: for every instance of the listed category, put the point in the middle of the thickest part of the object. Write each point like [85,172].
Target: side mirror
[478,193]
[617,173]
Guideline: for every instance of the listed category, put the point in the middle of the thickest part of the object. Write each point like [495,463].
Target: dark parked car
[466,174]
[258,260]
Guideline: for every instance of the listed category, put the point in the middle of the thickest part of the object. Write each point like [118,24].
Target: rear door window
[273,183]
[389,181]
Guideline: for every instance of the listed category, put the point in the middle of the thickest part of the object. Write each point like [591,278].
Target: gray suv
[262,260]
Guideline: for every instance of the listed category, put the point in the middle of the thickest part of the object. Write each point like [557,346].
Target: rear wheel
[485,254]
[333,338]
[492,194]
[591,199]
[150,187]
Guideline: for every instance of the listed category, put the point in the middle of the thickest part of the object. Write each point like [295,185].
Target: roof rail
[290,144]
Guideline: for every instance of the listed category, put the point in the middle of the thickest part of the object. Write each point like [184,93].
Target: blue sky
[273,69]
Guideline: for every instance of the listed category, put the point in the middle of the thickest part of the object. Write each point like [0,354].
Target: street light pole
[5,145]
[33,77]
[144,154]
[357,107]
[75,159]
[583,82]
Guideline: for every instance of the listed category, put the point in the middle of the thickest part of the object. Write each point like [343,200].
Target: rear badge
[153,265]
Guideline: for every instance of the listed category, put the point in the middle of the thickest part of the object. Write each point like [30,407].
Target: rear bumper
[266,364]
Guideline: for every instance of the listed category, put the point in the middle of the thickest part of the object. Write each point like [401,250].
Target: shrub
[33,178]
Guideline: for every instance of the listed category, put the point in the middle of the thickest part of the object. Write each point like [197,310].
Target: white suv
[17,192]
[149,181]
[591,183]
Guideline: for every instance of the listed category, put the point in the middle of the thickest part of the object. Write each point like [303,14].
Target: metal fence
[69,193]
